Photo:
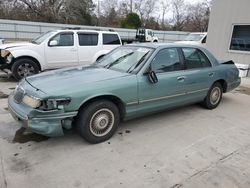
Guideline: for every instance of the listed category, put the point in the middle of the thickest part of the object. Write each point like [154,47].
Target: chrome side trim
[171,96]
[161,98]
[197,91]
[132,103]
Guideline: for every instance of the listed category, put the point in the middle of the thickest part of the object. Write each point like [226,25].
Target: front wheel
[24,67]
[98,121]
[214,96]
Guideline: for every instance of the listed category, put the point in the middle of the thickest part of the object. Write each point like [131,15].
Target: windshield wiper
[138,63]
[118,60]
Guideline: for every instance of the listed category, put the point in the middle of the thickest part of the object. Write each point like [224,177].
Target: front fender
[28,53]
[99,96]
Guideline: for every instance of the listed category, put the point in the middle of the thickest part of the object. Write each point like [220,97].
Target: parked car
[195,39]
[57,49]
[131,81]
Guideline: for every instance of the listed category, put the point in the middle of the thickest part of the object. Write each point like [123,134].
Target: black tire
[213,97]
[98,121]
[24,67]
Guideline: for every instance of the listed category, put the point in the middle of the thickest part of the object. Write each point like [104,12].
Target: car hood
[63,81]
[14,45]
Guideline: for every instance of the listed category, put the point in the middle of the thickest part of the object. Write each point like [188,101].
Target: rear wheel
[24,67]
[98,121]
[214,96]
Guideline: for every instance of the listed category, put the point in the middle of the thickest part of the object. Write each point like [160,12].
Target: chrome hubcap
[215,95]
[102,122]
[25,70]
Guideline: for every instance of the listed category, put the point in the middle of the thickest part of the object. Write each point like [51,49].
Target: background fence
[22,30]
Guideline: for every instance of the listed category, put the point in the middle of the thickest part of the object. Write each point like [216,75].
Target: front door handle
[181,78]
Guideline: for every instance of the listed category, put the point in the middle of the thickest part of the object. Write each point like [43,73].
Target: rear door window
[88,39]
[110,39]
[195,58]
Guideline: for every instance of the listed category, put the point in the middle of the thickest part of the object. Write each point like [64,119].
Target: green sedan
[131,81]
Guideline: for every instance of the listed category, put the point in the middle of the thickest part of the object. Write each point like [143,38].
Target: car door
[88,46]
[199,74]
[169,91]
[61,51]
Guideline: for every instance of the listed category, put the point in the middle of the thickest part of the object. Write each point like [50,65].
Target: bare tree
[179,14]
[145,8]
[165,5]
[48,10]
[198,16]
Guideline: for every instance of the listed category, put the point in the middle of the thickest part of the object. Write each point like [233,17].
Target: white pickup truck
[195,39]
[56,49]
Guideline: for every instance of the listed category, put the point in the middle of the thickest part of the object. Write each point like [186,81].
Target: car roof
[85,30]
[157,45]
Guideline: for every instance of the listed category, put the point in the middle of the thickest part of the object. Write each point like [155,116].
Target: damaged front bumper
[4,66]
[48,123]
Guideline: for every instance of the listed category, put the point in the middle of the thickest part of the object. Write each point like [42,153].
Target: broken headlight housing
[31,101]
[57,103]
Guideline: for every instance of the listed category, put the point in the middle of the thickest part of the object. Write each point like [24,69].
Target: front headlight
[4,53]
[31,101]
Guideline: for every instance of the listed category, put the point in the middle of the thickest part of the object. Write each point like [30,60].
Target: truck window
[88,39]
[64,39]
[110,39]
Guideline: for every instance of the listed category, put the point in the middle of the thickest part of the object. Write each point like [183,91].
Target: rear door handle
[181,78]
[211,74]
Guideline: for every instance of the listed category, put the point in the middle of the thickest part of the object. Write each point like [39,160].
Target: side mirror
[53,43]
[152,76]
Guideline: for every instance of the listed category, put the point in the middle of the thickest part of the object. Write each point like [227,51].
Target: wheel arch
[223,84]
[116,100]
[28,57]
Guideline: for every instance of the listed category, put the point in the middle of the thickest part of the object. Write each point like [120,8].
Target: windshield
[194,37]
[42,37]
[125,59]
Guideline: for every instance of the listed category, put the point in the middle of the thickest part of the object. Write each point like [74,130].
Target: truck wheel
[24,67]
[98,121]
[213,97]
